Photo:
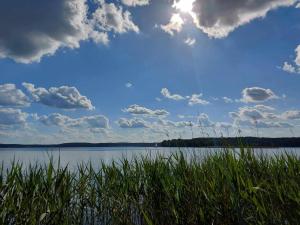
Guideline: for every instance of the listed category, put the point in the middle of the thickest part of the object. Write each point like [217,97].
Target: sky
[148,70]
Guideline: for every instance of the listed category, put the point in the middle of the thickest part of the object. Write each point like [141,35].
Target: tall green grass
[221,189]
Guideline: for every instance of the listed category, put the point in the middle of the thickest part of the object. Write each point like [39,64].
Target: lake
[74,156]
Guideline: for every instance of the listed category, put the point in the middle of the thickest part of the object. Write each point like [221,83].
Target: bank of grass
[223,188]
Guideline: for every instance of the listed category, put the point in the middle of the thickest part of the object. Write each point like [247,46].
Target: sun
[185,6]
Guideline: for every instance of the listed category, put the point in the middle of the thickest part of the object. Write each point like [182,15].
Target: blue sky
[139,70]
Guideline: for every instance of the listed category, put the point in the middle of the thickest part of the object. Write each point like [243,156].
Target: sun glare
[185,6]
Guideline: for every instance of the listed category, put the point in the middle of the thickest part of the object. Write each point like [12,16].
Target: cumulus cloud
[204,121]
[218,18]
[255,113]
[196,99]
[132,123]
[257,94]
[291,115]
[246,113]
[182,128]
[295,66]
[135,2]
[63,121]
[166,93]
[35,29]
[161,126]
[264,124]
[289,68]
[12,117]
[140,110]
[262,116]
[192,100]
[178,124]
[109,17]
[63,97]
[175,24]
[297,50]
[223,125]
[13,97]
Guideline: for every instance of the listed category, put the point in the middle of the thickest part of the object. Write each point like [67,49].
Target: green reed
[221,189]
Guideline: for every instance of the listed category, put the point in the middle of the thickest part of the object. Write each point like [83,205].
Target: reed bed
[221,189]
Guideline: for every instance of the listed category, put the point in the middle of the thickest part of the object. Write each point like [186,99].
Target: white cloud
[140,110]
[184,6]
[192,100]
[109,17]
[59,97]
[186,116]
[291,115]
[257,94]
[166,93]
[288,68]
[11,96]
[263,124]
[99,37]
[132,123]
[178,124]
[160,126]
[297,60]
[181,116]
[135,2]
[264,108]
[196,99]
[259,116]
[92,122]
[251,113]
[255,113]
[35,29]
[175,24]
[218,18]
[223,125]
[204,121]
[227,100]
[128,85]
[190,41]
[12,117]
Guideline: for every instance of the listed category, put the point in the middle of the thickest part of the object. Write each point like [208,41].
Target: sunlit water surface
[74,156]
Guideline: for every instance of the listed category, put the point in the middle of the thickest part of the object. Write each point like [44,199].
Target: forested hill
[234,142]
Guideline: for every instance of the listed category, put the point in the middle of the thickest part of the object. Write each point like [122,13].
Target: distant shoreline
[80,145]
[196,142]
[235,142]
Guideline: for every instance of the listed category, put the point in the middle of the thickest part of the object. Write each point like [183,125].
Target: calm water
[74,156]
